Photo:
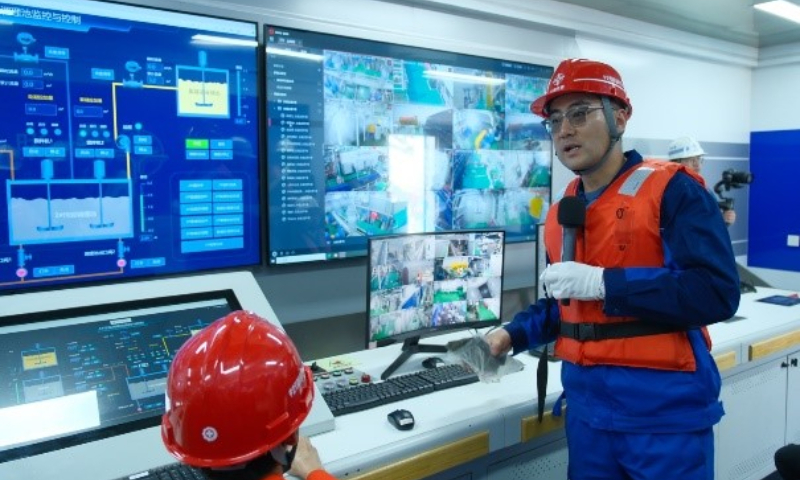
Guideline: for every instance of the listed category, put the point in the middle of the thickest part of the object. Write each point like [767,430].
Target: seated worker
[686,151]
[787,462]
[237,393]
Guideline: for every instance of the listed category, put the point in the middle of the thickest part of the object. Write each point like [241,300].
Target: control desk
[488,429]
[479,429]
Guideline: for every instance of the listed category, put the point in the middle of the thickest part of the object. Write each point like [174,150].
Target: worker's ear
[621,117]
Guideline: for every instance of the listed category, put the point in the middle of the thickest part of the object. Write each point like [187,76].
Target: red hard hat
[235,390]
[577,75]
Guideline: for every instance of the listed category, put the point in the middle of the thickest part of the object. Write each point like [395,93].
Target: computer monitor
[368,138]
[428,283]
[128,143]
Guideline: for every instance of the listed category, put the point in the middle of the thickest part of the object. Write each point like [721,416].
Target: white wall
[674,95]
[391,21]
[776,101]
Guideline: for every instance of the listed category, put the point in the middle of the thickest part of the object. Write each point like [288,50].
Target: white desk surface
[761,320]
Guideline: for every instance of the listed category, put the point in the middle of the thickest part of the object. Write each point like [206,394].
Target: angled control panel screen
[72,376]
[128,143]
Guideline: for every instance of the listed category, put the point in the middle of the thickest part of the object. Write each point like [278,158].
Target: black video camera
[731,179]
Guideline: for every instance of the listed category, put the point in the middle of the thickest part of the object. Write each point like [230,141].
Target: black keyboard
[370,395]
[173,471]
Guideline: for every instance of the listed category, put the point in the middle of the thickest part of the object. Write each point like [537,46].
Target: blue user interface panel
[128,143]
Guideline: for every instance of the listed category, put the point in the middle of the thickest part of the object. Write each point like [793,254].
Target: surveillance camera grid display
[422,283]
[368,138]
[128,143]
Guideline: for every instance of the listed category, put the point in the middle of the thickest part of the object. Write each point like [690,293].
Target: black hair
[255,469]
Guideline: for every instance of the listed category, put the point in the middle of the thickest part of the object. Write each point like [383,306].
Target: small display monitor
[129,141]
[368,138]
[78,375]
[428,283]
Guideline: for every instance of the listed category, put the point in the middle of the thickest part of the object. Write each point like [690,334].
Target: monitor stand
[410,347]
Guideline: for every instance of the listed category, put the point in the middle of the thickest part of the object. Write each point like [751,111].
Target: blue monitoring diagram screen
[128,143]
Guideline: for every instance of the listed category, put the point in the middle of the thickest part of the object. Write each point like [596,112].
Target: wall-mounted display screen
[366,138]
[128,143]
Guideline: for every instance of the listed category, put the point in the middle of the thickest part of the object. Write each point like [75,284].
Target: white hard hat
[684,147]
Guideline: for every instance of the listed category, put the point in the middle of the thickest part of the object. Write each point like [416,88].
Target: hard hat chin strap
[284,454]
[614,136]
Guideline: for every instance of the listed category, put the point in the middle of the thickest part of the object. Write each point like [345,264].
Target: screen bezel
[39,317]
[430,331]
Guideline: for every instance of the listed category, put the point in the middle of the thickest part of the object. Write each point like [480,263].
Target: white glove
[574,280]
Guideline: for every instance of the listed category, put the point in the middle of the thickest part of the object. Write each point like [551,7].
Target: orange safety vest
[622,230]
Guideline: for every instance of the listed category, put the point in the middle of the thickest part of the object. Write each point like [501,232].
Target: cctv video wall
[129,142]
[367,138]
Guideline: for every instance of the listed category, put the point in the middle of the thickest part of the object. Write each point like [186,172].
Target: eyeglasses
[575,116]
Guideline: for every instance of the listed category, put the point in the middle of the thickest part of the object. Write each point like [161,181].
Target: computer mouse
[433,362]
[401,419]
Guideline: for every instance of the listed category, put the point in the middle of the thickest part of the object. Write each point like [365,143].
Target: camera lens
[732,176]
[742,177]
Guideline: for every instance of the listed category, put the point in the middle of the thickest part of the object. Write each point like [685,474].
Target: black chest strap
[586,332]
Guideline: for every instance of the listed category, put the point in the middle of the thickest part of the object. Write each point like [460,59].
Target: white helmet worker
[684,147]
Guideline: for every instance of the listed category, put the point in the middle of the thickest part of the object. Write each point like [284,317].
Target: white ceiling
[731,20]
